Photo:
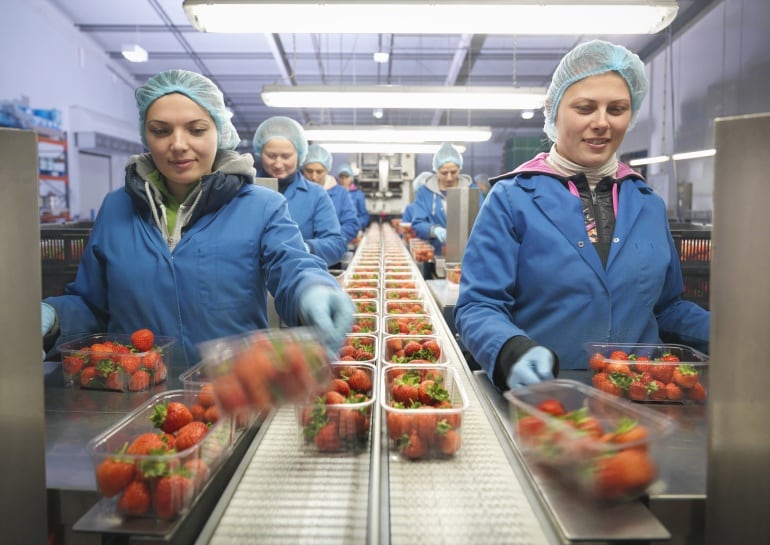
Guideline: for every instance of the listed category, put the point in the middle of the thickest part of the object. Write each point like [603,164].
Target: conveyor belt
[288,496]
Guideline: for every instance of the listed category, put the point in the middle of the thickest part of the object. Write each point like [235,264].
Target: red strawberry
[673,391]
[340,386]
[206,395]
[143,339]
[552,407]
[360,381]
[199,470]
[160,373]
[697,392]
[114,381]
[411,348]
[72,365]
[147,443]
[113,475]
[664,372]
[139,381]
[626,473]
[685,376]
[136,499]
[431,349]
[328,439]
[130,363]
[597,362]
[172,494]
[413,446]
[190,434]
[448,440]
[87,375]
[657,390]
[198,412]
[170,416]
[637,391]
[151,360]
[211,415]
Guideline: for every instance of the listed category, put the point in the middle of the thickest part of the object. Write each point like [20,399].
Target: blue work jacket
[429,210]
[359,203]
[346,213]
[240,243]
[529,269]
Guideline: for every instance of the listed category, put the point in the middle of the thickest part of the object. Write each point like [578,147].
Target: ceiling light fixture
[694,154]
[381,57]
[527,114]
[513,17]
[134,53]
[384,147]
[648,160]
[409,97]
[397,135]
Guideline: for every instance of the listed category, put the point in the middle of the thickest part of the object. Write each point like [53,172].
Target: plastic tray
[413,350]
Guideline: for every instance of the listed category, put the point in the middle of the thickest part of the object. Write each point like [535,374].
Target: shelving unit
[54,202]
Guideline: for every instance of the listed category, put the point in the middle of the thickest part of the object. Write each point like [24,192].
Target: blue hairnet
[196,87]
[420,180]
[281,127]
[591,59]
[345,169]
[318,154]
[447,154]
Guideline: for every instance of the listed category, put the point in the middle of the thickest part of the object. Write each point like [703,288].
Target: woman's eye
[197,131]
[158,132]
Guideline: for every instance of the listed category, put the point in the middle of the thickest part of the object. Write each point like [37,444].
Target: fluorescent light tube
[693,154]
[397,135]
[511,17]
[648,160]
[384,147]
[134,53]
[386,96]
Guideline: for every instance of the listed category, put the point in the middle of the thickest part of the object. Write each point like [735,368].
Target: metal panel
[22,420]
[739,442]
[462,208]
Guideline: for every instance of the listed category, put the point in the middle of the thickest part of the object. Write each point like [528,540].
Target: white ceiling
[242,64]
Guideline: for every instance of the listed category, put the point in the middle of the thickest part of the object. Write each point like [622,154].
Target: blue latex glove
[331,311]
[47,318]
[440,234]
[536,365]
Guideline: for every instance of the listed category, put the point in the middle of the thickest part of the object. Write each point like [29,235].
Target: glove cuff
[513,349]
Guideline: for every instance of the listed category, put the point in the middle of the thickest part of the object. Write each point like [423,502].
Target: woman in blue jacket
[190,246]
[316,167]
[429,210]
[573,246]
[280,147]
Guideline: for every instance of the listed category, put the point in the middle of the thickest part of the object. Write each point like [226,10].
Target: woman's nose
[178,140]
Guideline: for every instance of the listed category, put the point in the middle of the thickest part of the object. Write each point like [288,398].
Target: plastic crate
[694,248]
[696,287]
[60,251]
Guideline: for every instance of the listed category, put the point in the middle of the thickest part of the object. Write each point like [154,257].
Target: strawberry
[360,381]
[630,431]
[206,395]
[87,376]
[697,392]
[448,440]
[136,499]
[130,363]
[172,494]
[211,415]
[412,446]
[114,381]
[199,470]
[398,423]
[340,386]
[147,443]
[352,424]
[673,391]
[160,373]
[333,398]
[139,381]
[230,393]
[114,474]
[623,474]
[618,355]
[170,416]
[657,390]
[151,360]
[328,439]
[405,389]
[190,434]
[637,391]
[685,376]
[411,348]
[552,407]
[72,365]
[143,340]
[597,362]
[641,364]
[431,349]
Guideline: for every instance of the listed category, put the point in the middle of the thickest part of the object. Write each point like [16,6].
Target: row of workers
[570,247]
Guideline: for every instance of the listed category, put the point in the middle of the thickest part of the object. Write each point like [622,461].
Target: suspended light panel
[393,134]
[405,97]
[568,17]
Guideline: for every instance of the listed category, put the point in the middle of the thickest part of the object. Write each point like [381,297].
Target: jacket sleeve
[483,311]
[346,214]
[360,203]
[421,213]
[327,241]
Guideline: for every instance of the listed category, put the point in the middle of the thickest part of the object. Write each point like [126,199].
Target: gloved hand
[440,234]
[47,318]
[536,365]
[331,311]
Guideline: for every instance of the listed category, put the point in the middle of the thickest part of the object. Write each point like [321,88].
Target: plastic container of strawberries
[337,418]
[669,373]
[262,369]
[170,480]
[359,347]
[107,361]
[430,426]
[413,350]
[407,324]
[599,445]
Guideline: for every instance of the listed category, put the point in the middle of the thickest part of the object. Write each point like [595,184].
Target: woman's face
[592,119]
[279,158]
[182,138]
[448,175]
[315,172]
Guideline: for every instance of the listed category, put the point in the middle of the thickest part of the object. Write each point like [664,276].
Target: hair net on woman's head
[345,169]
[447,154]
[318,154]
[591,59]
[281,127]
[196,87]
[420,180]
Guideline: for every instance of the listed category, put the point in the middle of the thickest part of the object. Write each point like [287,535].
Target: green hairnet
[281,127]
[447,154]
[591,59]
[196,87]
[345,170]
[318,154]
